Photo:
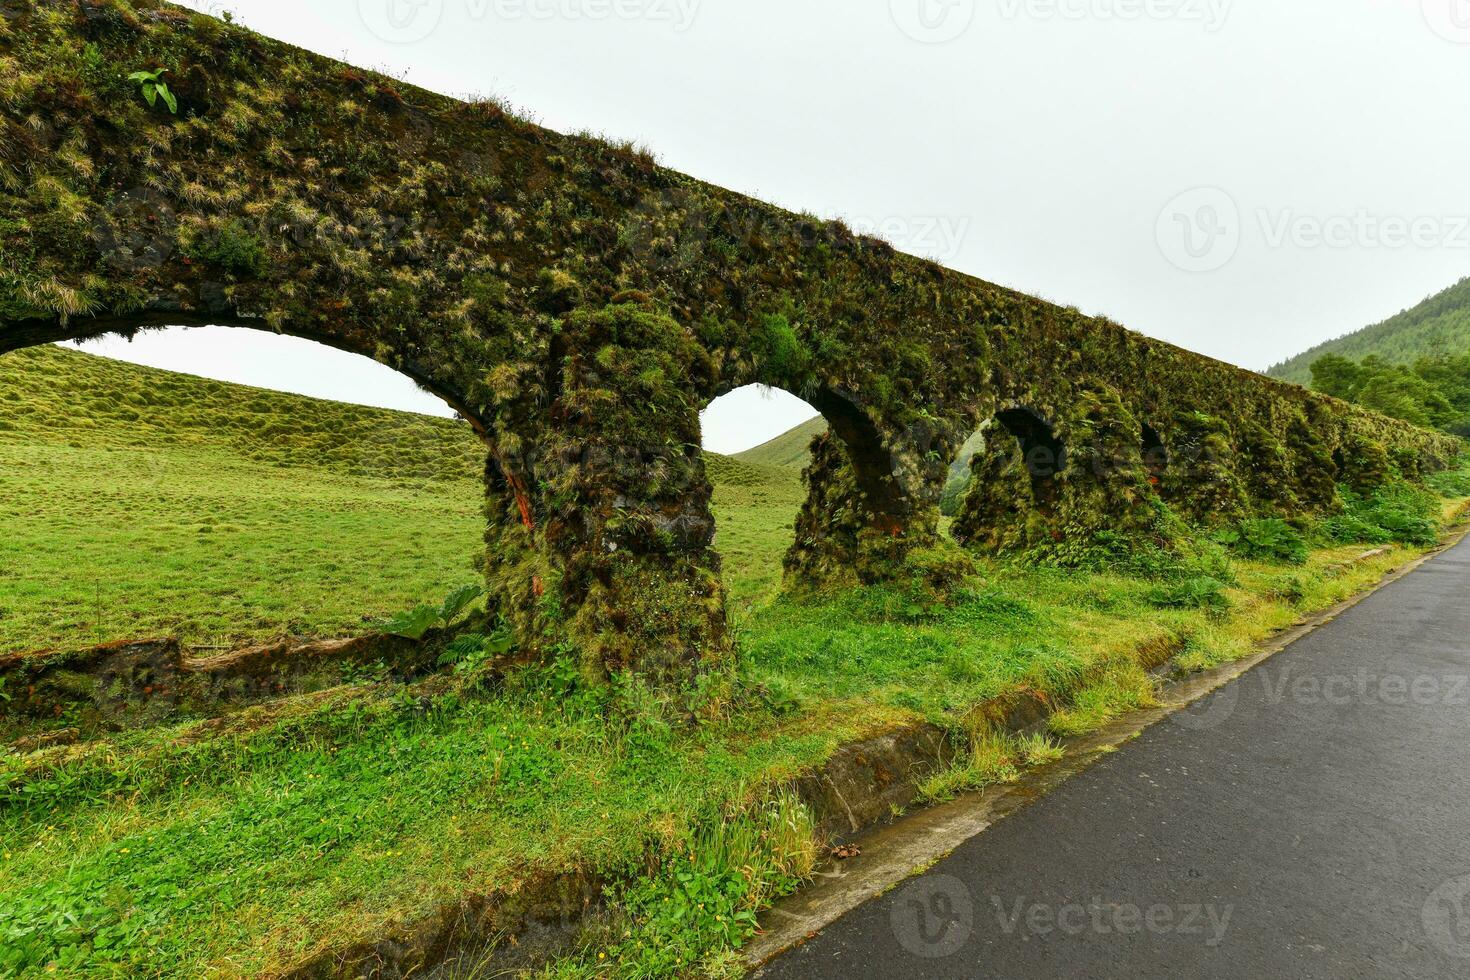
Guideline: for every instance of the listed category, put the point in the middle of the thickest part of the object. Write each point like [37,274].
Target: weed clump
[228,245]
[1267,539]
[1395,513]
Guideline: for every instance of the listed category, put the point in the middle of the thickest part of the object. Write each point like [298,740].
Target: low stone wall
[136,683]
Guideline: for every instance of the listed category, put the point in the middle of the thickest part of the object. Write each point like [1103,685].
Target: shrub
[1267,539]
[1197,592]
[1453,482]
[229,246]
[1397,512]
[779,351]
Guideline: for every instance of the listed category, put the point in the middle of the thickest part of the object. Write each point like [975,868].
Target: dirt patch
[527,921]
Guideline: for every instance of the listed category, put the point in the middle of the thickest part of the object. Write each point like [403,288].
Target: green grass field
[142,502]
[181,851]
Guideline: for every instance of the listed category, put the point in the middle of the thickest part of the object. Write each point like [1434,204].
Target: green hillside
[144,502]
[1438,326]
[791,449]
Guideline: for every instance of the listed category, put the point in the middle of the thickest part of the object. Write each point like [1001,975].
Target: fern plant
[416,622]
[1268,539]
[154,88]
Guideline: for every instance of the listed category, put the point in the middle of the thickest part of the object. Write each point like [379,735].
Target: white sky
[1244,178]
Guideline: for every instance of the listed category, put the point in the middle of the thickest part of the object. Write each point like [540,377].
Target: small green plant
[231,246]
[1195,592]
[472,651]
[154,88]
[703,902]
[1397,512]
[1268,539]
[360,673]
[416,622]
[991,757]
[1037,749]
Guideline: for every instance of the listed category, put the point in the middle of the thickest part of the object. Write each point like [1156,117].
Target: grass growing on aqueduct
[324,818]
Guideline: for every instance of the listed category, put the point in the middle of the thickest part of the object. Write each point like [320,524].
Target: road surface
[1310,819]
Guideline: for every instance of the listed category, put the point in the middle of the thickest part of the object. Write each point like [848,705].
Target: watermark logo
[401,21]
[1211,13]
[1446,917]
[933,21]
[1199,230]
[936,237]
[1363,229]
[410,21]
[1450,19]
[933,916]
[1367,688]
[1102,918]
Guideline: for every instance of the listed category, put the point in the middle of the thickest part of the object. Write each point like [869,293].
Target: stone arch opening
[284,516]
[758,444]
[961,472]
[1042,452]
[854,514]
[1155,454]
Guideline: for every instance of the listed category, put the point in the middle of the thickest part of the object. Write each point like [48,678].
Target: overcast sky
[1244,178]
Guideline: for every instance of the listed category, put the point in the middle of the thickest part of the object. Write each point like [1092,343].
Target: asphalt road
[1310,819]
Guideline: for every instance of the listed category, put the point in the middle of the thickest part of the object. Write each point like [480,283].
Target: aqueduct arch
[579,304]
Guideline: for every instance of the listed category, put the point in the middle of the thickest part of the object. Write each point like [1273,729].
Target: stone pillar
[852,529]
[601,530]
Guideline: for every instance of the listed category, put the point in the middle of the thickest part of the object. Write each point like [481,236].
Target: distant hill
[790,450]
[1439,325]
[52,393]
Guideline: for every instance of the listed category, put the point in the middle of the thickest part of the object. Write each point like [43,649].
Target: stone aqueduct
[580,305]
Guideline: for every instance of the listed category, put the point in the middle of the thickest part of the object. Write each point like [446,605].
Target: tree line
[1433,392]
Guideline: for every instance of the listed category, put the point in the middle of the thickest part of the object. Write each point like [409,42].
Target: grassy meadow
[305,824]
[139,502]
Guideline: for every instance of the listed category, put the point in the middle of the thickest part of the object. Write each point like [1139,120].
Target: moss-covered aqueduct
[580,305]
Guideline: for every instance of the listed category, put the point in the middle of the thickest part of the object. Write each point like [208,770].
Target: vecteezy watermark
[1210,923]
[1199,230]
[1202,229]
[1212,14]
[1281,685]
[1446,917]
[410,21]
[1366,687]
[1450,19]
[1363,229]
[935,237]
[933,916]
[933,21]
